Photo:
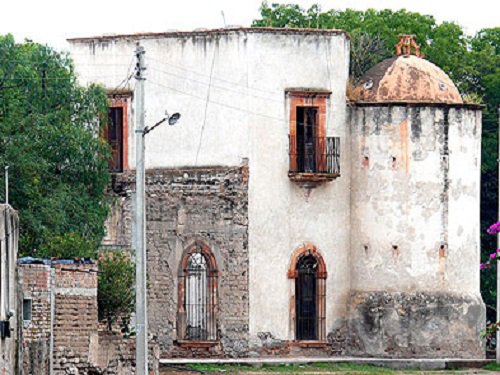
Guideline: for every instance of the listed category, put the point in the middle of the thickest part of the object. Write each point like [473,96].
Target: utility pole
[141,322]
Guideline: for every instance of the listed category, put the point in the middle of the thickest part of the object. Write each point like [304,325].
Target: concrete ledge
[397,364]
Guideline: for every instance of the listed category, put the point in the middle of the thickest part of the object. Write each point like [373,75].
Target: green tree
[49,137]
[115,296]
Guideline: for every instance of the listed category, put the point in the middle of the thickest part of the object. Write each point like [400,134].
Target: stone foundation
[415,325]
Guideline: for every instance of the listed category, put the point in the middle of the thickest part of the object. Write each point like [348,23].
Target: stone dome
[407,78]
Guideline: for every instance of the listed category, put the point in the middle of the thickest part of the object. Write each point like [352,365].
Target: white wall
[244,74]
[425,201]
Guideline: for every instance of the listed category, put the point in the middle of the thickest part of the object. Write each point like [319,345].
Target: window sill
[312,177]
[196,344]
[309,343]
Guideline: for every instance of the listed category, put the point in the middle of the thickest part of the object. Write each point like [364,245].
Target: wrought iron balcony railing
[314,156]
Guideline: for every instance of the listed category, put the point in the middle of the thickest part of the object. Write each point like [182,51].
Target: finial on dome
[405,45]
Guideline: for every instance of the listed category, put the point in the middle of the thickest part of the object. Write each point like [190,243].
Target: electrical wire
[217,103]
[206,107]
[213,78]
[216,86]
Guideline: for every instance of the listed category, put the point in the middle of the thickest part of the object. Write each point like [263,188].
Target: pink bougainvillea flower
[494,229]
[481,266]
[493,255]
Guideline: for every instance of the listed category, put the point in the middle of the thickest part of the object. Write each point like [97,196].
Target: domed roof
[407,78]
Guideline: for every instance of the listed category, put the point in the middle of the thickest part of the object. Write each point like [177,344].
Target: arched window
[197,300]
[308,274]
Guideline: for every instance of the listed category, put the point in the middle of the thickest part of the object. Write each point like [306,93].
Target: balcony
[315,159]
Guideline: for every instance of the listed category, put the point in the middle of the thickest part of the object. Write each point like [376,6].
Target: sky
[53,21]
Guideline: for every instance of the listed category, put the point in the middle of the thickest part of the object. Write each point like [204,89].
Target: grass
[344,368]
[492,367]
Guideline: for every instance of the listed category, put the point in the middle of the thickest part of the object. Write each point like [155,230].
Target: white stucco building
[285,218]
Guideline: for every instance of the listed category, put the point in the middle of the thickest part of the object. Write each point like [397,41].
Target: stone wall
[416,325]
[184,206]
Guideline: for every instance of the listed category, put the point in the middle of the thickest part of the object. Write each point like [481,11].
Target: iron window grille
[197,319]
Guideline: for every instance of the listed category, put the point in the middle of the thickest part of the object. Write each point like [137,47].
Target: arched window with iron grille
[197,316]
[308,275]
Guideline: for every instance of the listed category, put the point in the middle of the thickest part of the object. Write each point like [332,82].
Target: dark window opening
[27,309]
[306,138]
[310,151]
[114,136]
[306,299]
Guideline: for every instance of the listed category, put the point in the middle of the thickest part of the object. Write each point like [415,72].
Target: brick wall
[73,288]
[35,284]
[183,206]
[75,324]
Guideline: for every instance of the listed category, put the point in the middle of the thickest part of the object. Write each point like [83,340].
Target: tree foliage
[115,296]
[49,137]
[472,62]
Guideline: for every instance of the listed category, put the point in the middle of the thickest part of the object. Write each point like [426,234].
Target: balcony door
[307,119]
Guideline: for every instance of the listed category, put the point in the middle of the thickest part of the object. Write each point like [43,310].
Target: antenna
[223,18]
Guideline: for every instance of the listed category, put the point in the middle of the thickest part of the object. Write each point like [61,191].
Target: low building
[9,236]
[59,317]
[284,218]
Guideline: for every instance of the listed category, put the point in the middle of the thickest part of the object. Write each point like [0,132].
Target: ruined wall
[184,205]
[75,320]
[9,235]
[64,310]
[415,231]
[35,284]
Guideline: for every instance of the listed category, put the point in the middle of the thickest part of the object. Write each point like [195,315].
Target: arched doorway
[308,271]
[306,299]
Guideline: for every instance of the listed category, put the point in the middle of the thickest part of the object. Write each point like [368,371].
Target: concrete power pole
[141,322]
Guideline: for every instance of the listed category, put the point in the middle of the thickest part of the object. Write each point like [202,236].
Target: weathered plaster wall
[415,188]
[230,89]
[415,230]
[9,235]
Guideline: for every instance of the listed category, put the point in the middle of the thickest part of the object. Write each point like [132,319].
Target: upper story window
[313,155]
[116,133]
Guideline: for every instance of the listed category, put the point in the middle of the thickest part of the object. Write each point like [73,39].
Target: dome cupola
[407,78]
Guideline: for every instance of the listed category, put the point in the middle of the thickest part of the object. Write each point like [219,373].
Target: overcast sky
[52,21]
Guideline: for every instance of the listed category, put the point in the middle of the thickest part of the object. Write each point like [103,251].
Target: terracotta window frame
[121,101]
[307,98]
[212,295]
[308,249]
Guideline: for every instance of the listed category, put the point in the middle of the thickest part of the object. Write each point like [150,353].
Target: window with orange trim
[116,133]
[311,152]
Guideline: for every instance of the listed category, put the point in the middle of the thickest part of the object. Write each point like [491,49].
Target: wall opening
[197,299]
[308,294]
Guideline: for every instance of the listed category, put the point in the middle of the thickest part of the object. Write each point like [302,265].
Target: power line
[206,108]
[216,86]
[214,78]
[218,103]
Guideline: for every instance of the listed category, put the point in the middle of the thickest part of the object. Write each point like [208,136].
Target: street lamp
[140,238]
[172,120]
